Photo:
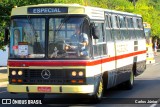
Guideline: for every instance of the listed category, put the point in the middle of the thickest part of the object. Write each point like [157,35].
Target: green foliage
[119,4]
[5,10]
[149,9]
[150,13]
[69,1]
[99,3]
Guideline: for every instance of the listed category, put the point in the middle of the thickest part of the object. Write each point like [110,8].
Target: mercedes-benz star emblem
[45,74]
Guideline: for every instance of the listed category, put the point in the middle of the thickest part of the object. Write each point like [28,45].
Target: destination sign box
[47,10]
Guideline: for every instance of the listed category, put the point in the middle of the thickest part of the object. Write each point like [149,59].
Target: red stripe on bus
[122,56]
[130,54]
[70,63]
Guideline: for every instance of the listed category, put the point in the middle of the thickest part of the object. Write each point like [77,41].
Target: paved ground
[3,73]
[3,76]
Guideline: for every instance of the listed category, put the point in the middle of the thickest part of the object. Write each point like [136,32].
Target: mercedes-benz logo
[45,74]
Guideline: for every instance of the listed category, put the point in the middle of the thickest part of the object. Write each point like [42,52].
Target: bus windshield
[62,37]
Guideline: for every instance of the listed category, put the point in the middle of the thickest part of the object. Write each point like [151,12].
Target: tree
[149,14]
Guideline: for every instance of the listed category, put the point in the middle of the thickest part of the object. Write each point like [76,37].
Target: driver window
[99,47]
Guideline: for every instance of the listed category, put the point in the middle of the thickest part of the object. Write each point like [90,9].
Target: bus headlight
[20,72]
[13,72]
[74,73]
[80,73]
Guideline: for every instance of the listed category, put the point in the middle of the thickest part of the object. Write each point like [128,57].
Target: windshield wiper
[62,23]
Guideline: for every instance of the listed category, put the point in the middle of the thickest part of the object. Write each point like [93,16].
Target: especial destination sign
[47,10]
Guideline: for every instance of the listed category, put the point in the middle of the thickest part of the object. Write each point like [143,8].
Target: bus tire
[129,84]
[36,96]
[97,97]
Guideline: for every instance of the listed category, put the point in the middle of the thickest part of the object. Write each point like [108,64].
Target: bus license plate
[44,89]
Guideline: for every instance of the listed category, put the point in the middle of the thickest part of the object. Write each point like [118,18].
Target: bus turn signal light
[19,80]
[73,81]
[80,81]
[14,80]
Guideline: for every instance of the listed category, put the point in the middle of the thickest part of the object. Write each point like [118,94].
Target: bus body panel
[86,89]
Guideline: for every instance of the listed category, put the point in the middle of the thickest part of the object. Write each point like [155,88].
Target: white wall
[4,57]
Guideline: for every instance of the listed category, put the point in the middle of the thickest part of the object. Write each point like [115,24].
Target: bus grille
[57,77]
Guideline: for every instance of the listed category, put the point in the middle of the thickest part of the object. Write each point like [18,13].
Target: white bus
[41,60]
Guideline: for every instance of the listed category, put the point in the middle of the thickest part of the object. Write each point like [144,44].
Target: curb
[3,69]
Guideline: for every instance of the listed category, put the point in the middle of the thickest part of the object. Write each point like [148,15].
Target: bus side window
[126,32]
[99,47]
[108,28]
[141,28]
[130,28]
[140,32]
[123,29]
[115,29]
[135,27]
[100,32]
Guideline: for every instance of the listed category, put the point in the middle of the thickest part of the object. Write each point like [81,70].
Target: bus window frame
[97,44]
[140,27]
[107,29]
[115,29]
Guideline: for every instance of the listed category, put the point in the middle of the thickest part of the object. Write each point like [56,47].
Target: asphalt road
[146,87]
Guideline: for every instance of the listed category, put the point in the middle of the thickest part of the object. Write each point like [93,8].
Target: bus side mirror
[94,31]
[6,34]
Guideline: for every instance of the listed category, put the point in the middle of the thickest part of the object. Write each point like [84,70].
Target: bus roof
[56,9]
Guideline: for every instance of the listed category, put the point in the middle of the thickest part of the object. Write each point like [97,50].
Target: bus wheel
[36,96]
[97,97]
[129,84]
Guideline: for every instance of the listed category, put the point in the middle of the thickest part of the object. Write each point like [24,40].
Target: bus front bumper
[86,89]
